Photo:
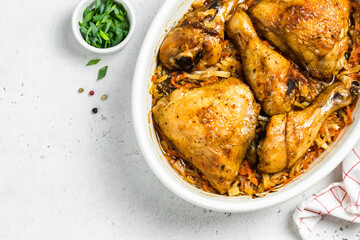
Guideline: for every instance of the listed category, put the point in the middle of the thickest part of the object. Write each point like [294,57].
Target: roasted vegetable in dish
[247,95]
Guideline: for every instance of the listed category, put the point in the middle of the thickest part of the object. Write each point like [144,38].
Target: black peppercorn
[94,110]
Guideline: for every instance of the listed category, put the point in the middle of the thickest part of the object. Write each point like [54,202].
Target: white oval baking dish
[170,13]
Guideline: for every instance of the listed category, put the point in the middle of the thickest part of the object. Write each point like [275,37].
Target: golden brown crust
[211,126]
[313,33]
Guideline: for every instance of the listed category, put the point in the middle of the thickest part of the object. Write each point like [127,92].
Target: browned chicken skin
[313,33]
[290,135]
[211,126]
[271,76]
[198,40]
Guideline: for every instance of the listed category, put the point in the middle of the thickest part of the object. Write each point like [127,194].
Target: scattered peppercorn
[104,97]
[91,93]
[81,90]
[95,110]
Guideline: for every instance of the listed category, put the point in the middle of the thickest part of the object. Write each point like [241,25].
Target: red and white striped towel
[341,199]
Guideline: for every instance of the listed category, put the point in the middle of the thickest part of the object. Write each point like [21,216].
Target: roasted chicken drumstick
[271,76]
[290,135]
[198,40]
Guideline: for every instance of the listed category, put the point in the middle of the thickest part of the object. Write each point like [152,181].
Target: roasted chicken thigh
[313,33]
[212,127]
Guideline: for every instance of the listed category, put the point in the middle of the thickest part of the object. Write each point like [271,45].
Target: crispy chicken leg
[198,40]
[271,76]
[290,135]
[211,126]
[313,33]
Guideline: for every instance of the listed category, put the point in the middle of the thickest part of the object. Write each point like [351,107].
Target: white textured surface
[68,174]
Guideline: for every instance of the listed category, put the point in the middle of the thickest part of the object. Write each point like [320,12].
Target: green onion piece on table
[102,73]
[93,62]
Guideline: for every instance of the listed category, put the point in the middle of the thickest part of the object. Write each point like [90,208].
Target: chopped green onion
[104,36]
[108,25]
[83,30]
[112,8]
[120,17]
[98,18]
[105,25]
[94,29]
[97,3]
[93,62]
[116,10]
[105,19]
[88,17]
[102,8]
[102,73]
[87,10]
[119,37]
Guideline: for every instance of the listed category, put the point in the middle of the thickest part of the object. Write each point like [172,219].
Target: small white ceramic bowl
[78,16]
[169,14]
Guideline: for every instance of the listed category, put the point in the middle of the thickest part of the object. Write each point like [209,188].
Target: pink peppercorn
[91,93]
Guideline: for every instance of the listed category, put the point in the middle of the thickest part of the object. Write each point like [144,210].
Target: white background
[66,173]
